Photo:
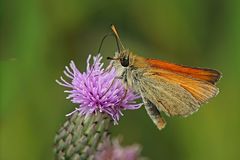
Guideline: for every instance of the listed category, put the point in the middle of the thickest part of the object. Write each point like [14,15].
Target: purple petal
[96,90]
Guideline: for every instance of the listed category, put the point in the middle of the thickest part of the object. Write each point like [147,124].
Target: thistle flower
[114,151]
[98,90]
[100,98]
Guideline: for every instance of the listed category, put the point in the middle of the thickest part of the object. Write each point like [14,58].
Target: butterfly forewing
[178,90]
[204,74]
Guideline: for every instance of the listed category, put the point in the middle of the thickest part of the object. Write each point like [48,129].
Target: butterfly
[176,90]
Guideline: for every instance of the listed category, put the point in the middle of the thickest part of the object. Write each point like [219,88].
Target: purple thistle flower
[97,90]
[114,151]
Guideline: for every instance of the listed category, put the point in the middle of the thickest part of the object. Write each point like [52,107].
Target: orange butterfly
[163,86]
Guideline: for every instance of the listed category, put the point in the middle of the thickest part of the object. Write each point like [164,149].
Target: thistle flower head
[97,90]
[114,151]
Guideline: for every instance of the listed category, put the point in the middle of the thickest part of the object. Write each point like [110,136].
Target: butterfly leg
[154,113]
[124,96]
[113,81]
[124,79]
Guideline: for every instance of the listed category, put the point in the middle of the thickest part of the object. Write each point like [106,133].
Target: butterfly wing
[203,74]
[178,90]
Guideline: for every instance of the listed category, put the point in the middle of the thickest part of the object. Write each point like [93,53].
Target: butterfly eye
[124,61]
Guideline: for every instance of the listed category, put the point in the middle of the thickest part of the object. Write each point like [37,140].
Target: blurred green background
[39,37]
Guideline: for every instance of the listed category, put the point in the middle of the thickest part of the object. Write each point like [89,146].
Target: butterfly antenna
[107,35]
[116,35]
